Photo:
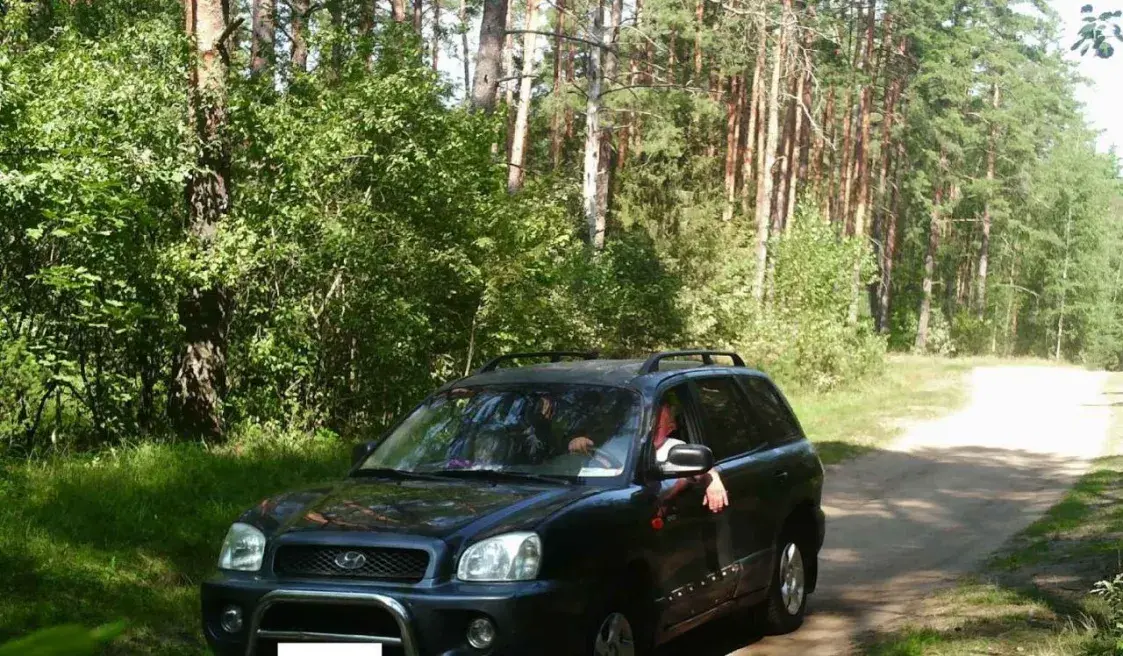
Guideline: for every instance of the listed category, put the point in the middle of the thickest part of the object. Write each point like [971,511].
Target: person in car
[667,437]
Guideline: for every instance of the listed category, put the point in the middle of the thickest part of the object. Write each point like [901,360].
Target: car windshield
[539,432]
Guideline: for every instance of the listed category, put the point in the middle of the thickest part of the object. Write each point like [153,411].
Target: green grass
[129,534]
[1032,596]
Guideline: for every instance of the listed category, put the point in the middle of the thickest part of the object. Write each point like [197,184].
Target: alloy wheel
[614,638]
[791,579]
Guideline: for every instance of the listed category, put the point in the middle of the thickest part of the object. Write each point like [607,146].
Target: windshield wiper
[397,474]
[493,474]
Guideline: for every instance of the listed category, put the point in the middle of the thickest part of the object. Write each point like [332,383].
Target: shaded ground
[916,516]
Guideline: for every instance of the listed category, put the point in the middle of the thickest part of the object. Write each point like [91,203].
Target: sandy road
[927,509]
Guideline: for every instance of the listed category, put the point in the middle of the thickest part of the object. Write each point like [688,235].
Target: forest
[221,214]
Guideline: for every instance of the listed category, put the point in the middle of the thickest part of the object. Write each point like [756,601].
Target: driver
[666,437]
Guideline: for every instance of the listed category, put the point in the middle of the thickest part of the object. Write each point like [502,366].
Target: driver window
[670,426]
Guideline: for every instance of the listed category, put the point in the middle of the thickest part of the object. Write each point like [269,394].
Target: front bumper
[536,617]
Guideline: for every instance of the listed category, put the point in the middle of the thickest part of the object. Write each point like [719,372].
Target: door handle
[780,476]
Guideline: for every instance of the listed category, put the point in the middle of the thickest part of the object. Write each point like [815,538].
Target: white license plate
[328,649]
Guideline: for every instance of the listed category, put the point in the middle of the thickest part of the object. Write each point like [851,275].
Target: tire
[784,609]
[619,629]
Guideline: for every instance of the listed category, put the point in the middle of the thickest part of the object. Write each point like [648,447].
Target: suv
[524,510]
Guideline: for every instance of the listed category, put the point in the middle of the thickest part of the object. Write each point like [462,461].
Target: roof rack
[555,356]
[652,363]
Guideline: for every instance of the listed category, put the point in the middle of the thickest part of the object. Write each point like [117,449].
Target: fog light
[232,619]
[481,633]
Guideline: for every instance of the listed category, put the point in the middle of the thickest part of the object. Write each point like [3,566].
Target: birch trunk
[593,219]
[516,168]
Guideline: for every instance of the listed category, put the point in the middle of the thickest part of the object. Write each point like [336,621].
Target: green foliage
[1094,34]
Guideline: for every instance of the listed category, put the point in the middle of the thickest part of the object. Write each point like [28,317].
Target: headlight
[243,549]
[508,557]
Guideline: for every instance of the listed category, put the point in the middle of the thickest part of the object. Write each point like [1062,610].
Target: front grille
[340,619]
[383,564]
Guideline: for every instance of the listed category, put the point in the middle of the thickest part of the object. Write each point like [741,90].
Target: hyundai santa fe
[577,506]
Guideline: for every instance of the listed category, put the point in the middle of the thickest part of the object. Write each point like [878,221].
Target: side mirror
[360,451]
[687,460]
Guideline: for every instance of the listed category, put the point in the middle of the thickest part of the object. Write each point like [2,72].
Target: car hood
[429,508]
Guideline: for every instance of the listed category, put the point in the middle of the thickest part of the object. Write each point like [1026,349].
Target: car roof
[614,373]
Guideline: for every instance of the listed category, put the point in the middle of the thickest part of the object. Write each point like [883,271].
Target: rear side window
[729,432]
[778,424]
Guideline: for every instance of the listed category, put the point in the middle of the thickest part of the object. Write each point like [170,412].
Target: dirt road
[929,508]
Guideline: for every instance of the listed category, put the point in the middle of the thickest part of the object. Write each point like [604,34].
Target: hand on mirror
[716,499]
[581,445]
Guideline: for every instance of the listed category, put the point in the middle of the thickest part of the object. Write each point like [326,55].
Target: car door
[790,456]
[744,531]
[681,523]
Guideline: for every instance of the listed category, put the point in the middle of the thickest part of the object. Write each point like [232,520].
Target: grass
[129,534]
[861,417]
[1032,596]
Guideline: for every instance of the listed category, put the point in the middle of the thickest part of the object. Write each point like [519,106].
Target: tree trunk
[929,270]
[862,173]
[984,248]
[885,223]
[699,26]
[335,12]
[765,179]
[299,28]
[262,52]
[489,56]
[398,10]
[593,218]
[747,168]
[509,61]
[417,12]
[841,196]
[197,390]
[436,35]
[672,55]
[734,110]
[791,185]
[570,75]
[824,135]
[1064,287]
[464,56]
[780,200]
[889,250]
[608,128]
[556,140]
[516,170]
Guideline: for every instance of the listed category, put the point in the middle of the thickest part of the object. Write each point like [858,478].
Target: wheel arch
[803,521]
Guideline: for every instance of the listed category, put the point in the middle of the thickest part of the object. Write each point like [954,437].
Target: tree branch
[564,36]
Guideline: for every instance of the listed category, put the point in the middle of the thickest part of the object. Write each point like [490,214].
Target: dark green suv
[574,507]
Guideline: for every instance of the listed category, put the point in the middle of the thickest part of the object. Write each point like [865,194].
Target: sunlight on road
[932,505]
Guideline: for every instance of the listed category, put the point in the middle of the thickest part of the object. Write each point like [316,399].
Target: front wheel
[615,637]
[619,629]
[787,596]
